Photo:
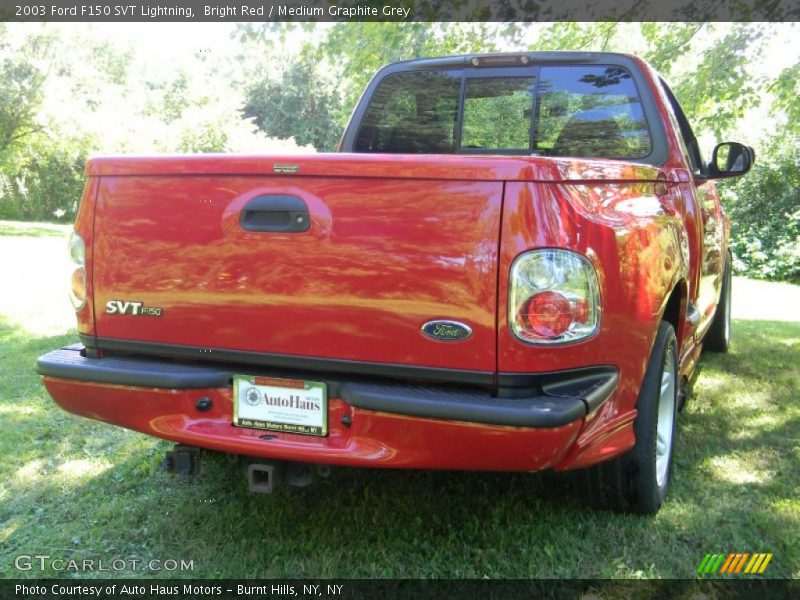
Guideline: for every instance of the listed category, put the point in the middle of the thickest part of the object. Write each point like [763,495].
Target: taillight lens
[77,254]
[553,297]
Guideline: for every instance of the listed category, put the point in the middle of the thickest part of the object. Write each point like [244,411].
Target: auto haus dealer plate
[288,405]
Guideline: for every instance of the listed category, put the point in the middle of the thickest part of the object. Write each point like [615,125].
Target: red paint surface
[84,226]
[380,259]
[376,166]
[373,440]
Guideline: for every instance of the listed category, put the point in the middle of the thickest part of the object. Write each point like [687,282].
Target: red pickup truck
[512,264]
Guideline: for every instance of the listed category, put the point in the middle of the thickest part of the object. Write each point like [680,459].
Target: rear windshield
[586,111]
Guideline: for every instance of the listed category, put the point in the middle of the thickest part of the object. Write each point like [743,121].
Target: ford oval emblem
[447,331]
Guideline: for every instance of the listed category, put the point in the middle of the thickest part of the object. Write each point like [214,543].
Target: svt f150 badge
[136,309]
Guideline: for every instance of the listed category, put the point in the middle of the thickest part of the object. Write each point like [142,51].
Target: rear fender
[634,236]
[84,226]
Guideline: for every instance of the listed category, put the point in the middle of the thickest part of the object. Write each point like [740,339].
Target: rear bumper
[391,425]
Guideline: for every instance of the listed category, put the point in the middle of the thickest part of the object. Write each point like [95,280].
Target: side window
[412,113]
[497,113]
[590,111]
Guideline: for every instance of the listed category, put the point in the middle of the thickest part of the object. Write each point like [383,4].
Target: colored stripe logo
[734,563]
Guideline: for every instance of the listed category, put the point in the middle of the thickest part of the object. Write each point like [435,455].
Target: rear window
[497,113]
[577,110]
[590,111]
[412,113]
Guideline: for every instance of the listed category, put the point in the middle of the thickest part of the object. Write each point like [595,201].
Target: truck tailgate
[382,256]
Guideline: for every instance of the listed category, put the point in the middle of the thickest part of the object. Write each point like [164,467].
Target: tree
[355,51]
[296,102]
[22,77]
[764,206]
[722,88]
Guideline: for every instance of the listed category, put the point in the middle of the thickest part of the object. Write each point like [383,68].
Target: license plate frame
[283,405]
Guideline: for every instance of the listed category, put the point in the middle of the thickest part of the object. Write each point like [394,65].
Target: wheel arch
[674,308]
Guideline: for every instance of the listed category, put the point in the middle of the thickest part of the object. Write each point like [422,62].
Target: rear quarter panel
[633,235]
[84,226]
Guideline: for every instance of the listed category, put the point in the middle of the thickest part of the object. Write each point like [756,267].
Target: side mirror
[731,159]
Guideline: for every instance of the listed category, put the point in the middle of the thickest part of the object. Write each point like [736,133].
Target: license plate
[288,405]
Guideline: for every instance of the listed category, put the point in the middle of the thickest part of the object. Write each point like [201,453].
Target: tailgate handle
[277,213]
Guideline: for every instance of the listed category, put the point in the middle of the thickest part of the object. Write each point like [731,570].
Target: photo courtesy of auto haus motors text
[186,590]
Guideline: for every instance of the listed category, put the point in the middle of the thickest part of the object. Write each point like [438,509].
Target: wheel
[639,480]
[718,338]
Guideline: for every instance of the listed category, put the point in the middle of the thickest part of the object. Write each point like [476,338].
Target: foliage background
[69,91]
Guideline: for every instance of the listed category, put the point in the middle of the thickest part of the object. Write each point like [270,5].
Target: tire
[638,481]
[718,338]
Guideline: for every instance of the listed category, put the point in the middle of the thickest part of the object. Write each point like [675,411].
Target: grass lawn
[79,489]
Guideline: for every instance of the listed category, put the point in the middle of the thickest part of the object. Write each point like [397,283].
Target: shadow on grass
[81,489]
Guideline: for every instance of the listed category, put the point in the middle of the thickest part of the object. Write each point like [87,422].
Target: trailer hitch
[182,460]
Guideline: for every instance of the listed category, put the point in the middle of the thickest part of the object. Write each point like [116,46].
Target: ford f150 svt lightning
[512,263]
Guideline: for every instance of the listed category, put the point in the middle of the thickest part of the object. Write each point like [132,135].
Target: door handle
[275,213]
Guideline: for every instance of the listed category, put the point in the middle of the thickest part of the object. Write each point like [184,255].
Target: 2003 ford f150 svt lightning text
[513,263]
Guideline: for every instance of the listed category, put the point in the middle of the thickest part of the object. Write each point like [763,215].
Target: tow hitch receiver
[182,460]
[265,476]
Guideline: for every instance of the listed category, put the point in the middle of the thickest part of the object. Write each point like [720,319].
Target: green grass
[75,488]
[27,229]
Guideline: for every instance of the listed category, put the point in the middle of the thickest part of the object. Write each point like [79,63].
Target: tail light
[553,297]
[77,253]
